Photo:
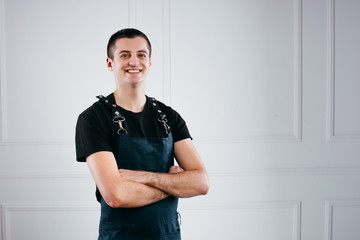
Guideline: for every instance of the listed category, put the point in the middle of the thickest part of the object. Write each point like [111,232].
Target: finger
[176,169]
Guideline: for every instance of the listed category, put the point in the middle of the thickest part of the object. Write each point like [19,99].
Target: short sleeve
[91,136]
[179,127]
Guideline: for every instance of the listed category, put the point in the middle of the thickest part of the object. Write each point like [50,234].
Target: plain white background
[269,90]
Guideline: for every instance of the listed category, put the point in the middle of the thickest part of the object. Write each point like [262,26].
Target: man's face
[131,61]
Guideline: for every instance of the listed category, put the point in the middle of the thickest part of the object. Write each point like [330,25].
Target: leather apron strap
[118,116]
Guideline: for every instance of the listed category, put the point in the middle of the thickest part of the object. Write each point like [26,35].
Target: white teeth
[133,71]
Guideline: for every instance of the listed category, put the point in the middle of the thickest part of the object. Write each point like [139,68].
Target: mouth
[133,70]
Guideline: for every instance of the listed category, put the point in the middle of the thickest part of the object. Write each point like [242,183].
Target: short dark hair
[125,33]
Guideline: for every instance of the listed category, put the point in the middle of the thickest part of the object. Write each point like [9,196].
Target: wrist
[151,179]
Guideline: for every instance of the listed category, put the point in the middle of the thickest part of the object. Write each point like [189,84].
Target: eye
[142,55]
[124,55]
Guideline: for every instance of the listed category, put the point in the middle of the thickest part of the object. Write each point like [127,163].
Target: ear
[150,63]
[109,64]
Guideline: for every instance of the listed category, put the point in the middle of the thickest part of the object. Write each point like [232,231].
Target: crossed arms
[129,189]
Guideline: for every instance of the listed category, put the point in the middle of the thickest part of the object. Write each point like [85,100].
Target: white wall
[269,90]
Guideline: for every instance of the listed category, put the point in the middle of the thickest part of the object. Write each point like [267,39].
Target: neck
[133,101]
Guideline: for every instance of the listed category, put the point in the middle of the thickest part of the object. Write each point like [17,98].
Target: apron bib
[157,221]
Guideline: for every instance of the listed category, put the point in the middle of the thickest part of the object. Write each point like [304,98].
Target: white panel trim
[4,139]
[132,13]
[132,22]
[324,171]
[330,69]
[3,222]
[330,132]
[6,210]
[329,210]
[19,142]
[166,31]
[296,135]
[348,171]
[2,70]
[295,206]
[298,69]
[166,4]
[44,175]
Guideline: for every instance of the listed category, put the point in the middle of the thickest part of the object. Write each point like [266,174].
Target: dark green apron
[157,221]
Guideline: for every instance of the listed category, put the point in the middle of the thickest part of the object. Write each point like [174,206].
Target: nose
[133,61]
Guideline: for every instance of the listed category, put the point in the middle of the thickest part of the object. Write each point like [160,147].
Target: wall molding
[132,13]
[14,142]
[132,22]
[2,70]
[331,136]
[329,211]
[6,210]
[319,171]
[4,139]
[166,38]
[298,69]
[44,175]
[255,172]
[296,135]
[294,206]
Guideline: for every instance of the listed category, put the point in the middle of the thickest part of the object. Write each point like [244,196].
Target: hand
[176,169]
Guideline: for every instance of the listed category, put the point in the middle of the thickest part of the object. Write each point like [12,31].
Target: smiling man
[129,142]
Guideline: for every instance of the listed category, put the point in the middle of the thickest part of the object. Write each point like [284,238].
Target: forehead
[131,44]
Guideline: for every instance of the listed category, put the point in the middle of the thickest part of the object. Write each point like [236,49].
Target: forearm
[188,180]
[182,184]
[116,190]
[130,194]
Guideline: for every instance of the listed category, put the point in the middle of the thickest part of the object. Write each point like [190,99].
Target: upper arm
[187,156]
[190,160]
[104,170]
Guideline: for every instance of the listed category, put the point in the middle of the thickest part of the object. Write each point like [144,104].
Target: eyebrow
[140,51]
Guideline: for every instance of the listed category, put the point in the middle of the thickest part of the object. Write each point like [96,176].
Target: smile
[133,70]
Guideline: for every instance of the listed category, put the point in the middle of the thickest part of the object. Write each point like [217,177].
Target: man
[129,142]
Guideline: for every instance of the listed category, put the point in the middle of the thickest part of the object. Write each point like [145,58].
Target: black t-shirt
[96,131]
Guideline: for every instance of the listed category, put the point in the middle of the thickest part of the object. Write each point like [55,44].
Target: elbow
[205,190]
[115,201]
[205,186]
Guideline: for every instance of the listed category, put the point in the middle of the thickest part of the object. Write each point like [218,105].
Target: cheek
[148,65]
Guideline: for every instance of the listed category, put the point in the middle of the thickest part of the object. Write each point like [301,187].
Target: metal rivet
[117,113]
[154,104]
[114,105]
[106,101]
[159,111]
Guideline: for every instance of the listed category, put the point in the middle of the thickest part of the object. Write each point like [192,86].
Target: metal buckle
[166,126]
[119,121]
